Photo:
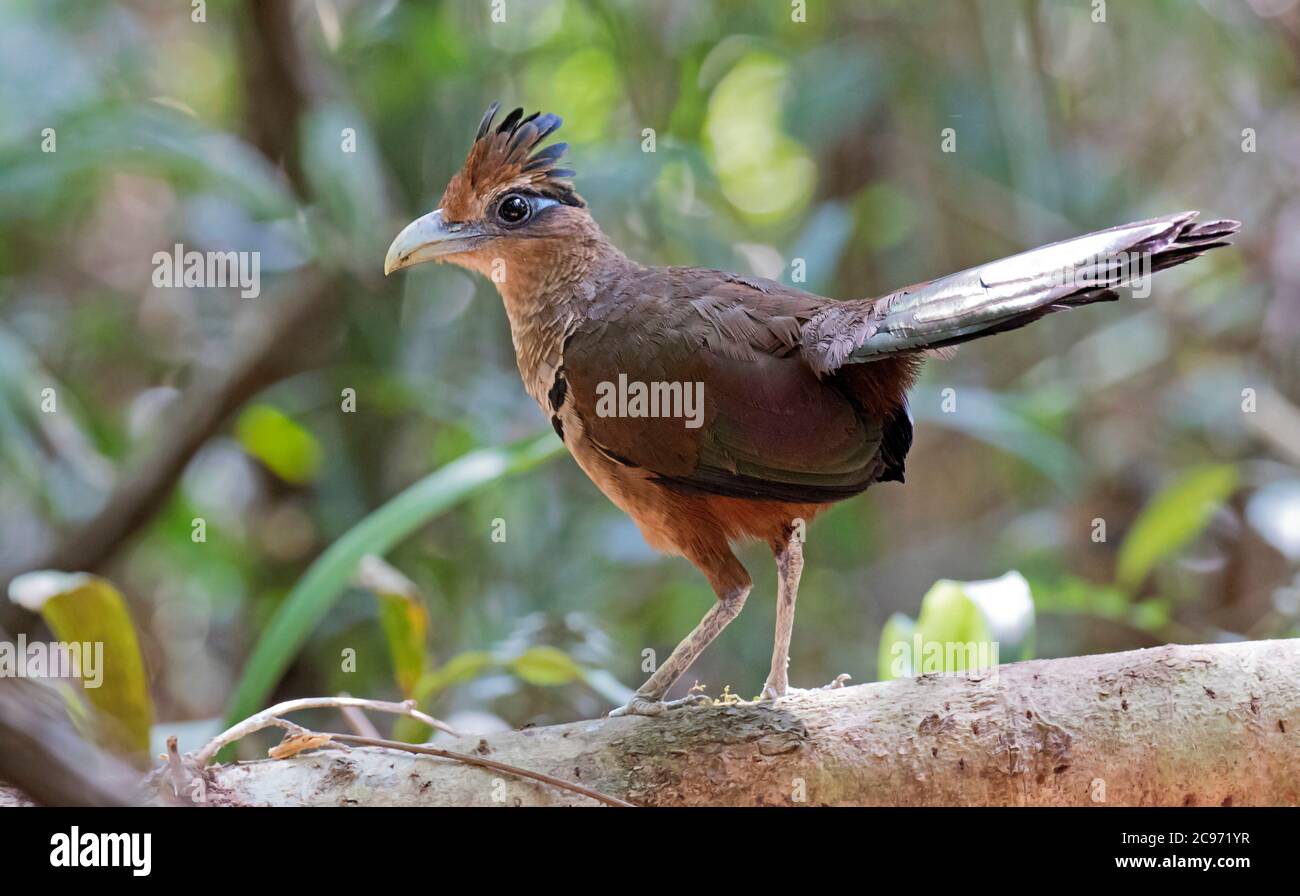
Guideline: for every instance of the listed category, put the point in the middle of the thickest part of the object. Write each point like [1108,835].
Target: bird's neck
[547,287]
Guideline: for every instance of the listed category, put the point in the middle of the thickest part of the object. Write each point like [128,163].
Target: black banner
[133,847]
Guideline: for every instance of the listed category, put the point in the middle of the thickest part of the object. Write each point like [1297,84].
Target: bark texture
[1177,725]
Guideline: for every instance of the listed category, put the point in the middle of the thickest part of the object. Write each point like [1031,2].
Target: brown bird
[802,399]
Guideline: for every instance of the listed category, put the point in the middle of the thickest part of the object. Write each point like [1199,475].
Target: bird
[716,408]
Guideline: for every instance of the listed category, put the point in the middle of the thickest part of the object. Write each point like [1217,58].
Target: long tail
[1006,294]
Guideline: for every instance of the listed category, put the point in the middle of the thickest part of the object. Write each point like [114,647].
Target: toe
[639,706]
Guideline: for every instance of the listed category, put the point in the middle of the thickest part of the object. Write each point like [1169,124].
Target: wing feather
[771,428]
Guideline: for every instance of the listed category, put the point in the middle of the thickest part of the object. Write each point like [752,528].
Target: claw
[770,692]
[638,706]
[644,706]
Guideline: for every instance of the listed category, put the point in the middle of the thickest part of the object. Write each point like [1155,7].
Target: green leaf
[960,625]
[1174,518]
[402,615]
[315,593]
[1152,615]
[948,618]
[286,448]
[462,667]
[893,658]
[1071,594]
[546,666]
[88,611]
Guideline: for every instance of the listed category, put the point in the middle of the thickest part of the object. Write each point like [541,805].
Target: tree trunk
[1201,725]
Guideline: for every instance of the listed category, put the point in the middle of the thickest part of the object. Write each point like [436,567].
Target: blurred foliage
[959,624]
[404,618]
[773,140]
[89,614]
[314,594]
[283,446]
[1174,517]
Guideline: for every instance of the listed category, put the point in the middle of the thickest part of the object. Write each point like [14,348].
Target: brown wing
[770,428]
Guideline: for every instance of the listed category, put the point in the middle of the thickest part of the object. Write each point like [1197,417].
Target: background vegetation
[774,139]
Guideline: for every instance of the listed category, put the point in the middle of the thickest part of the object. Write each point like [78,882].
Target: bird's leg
[789,566]
[731,584]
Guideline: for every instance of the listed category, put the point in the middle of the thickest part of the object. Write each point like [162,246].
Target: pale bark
[1179,725]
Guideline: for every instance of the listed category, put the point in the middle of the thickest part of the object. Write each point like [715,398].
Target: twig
[425,750]
[357,720]
[270,717]
[176,770]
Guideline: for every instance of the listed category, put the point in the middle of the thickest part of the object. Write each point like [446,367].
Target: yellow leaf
[88,616]
[403,616]
[544,665]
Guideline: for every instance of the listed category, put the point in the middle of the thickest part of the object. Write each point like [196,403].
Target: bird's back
[769,428]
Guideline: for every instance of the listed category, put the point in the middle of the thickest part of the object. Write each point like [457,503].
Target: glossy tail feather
[1009,293]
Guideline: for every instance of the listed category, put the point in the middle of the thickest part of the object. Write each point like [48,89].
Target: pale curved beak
[427,238]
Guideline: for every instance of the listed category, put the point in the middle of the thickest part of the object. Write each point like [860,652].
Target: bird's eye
[514,210]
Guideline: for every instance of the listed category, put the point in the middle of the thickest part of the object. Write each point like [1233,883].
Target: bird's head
[507,209]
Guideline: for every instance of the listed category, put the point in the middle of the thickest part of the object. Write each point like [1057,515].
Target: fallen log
[1215,724]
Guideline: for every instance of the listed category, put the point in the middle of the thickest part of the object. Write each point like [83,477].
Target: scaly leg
[789,567]
[731,584]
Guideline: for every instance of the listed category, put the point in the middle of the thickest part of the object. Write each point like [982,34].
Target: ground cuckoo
[715,407]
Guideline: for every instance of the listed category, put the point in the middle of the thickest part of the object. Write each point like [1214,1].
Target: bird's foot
[644,706]
[772,692]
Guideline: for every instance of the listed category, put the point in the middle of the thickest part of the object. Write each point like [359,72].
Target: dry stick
[485,763]
[176,767]
[269,717]
[357,720]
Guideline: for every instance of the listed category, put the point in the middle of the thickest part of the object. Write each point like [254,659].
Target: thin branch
[268,718]
[357,720]
[204,408]
[279,85]
[44,757]
[425,750]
